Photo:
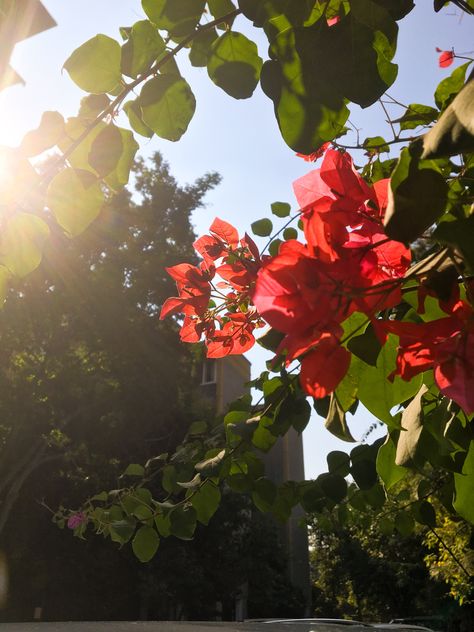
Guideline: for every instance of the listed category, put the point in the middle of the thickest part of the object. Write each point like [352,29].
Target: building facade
[223,381]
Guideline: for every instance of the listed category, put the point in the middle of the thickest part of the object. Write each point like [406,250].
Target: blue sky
[239,139]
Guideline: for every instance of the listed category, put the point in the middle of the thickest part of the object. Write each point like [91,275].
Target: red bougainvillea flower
[218,311]
[194,289]
[330,199]
[446,345]
[446,57]
[235,337]
[316,154]
[223,238]
[348,265]
[324,367]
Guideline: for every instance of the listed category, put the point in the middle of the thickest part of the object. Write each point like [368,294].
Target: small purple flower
[76,520]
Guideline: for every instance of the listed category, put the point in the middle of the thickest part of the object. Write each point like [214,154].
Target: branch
[408,139]
[111,109]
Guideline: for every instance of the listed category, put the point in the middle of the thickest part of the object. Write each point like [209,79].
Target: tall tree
[91,379]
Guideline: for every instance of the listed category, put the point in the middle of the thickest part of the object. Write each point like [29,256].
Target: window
[209,372]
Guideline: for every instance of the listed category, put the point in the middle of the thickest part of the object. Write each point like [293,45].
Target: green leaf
[134,469]
[464,487]
[178,18]
[234,64]
[76,198]
[145,543]
[307,110]
[274,247]
[364,473]
[119,177]
[5,276]
[142,48]
[404,524]
[281,209]
[167,104]
[387,469]
[106,150]
[78,141]
[378,394]
[262,436]
[197,428]
[220,8]
[122,530]
[271,339]
[22,242]
[262,227]
[294,411]
[163,524]
[449,87]
[385,526]
[47,134]
[95,66]
[459,234]
[169,479]
[290,233]
[206,501]
[92,105]
[183,522]
[366,346]
[416,115]
[338,462]
[133,111]
[310,106]
[336,420]
[424,513]
[376,144]
[454,132]
[264,494]
[417,197]
[334,486]
[412,427]
[201,47]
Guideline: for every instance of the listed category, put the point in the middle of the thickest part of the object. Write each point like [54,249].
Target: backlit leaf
[141,49]
[167,105]
[22,243]
[106,150]
[134,113]
[387,469]
[95,66]
[76,198]
[234,64]
[49,132]
[179,18]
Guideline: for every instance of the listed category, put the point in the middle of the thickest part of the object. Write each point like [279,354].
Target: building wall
[283,462]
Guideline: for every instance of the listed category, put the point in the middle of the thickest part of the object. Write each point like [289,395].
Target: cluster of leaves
[355,296]
[361,572]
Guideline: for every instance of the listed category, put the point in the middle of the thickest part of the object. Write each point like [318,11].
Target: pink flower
[76,520]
